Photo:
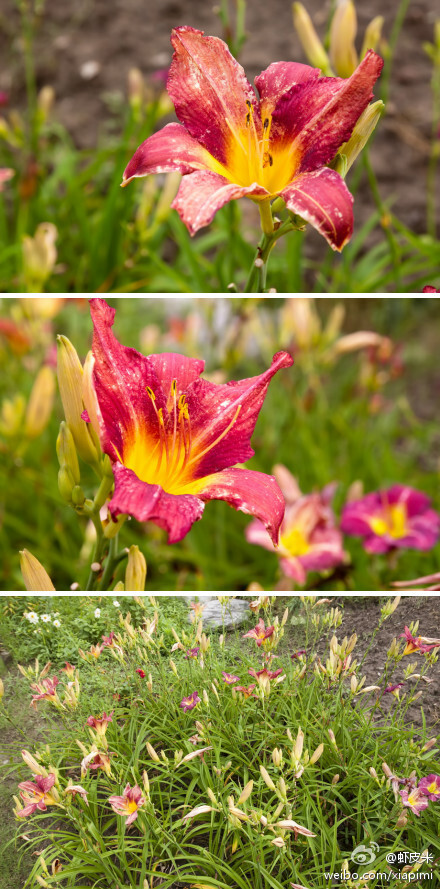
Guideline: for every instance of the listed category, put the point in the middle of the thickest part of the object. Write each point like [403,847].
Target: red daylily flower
[230,144]
[259,633]
[399,517]
[140,672]
[36,795]
[174,438]
[128,804]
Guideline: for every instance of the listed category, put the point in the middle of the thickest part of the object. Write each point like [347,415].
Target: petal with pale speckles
[172,148]
[201,194]
[251,492]
[323,199]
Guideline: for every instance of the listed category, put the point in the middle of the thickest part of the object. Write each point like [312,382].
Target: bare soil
[120,34]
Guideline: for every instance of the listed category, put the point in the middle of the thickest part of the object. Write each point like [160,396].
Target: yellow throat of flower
[393,522]
[171,458]
[295,542]
[254,157]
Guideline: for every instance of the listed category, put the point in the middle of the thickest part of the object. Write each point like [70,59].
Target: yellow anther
[181,401]
[160,416]
[173,387]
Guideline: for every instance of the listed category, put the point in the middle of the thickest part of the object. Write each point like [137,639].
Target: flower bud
[39,256]
[335,779]
[40,403]
[316,754]
[372,36]
[45,100]
[152,752]
[136,571]
[246,792]
[66,483]
[277,757]
[136,88]
[66,452]
[363,129]
[36,579]
[119,588]
[311,43]
[70,379]
[266,778]
[343,55]
[173,667]
[78,496]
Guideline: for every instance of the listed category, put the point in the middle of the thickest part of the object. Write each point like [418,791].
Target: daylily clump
[309,538]
[128,804]
[399,517]
[231,143]
[174,439]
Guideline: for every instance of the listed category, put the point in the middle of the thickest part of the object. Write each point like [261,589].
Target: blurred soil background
[85,50]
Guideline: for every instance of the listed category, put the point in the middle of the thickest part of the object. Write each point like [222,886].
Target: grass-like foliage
[274,786]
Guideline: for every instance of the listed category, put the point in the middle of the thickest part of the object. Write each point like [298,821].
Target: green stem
[99,550]
[112,560]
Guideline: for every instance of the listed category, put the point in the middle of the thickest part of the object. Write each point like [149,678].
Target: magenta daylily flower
[414,800]
[36,795]
[190,702]
[128,804]
[191,653]
[309,538]
[399,517]
[231,144]
[229,678]
[173,438]
[260,633]
[430,787]
[422,644]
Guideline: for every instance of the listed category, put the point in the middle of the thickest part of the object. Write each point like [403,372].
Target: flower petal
[317,117]
[172,148]
[253,493]
[120,378]
[176,513]
[256,533]
[209,90]
[202,193]
[278,78]
[415,501]
[323,199]
[213,407]
[171,366]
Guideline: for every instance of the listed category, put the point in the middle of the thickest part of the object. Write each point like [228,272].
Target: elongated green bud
[136,570]
[373,34]
[66,483]
[311,43]
[343,55]
[78,496]
[66,452]
[348,152]
[36,579]
[70,380]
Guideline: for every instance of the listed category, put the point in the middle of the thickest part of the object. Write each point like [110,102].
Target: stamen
[217,440]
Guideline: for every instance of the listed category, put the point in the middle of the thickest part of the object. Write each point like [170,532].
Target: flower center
[131,806]
[295,542]
[172,457]
[392,523]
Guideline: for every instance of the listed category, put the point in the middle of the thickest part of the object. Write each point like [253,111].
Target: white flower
[46,618]
[116,603]
[57,623]
[55,614]
[31,616]
[97,612]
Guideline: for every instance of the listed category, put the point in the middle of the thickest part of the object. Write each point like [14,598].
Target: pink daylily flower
[246,691]
[96,760]
[36,795]
[190,702]
[422,644]
[414,800]
[73,789]
[399,517]
[69,670]
[229,678]
[47,689]
[108,641]
[430,787]
[191,653]
[128,804]
[309,538]
[259,633]
[100,723]
[231,144]
[173,438]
